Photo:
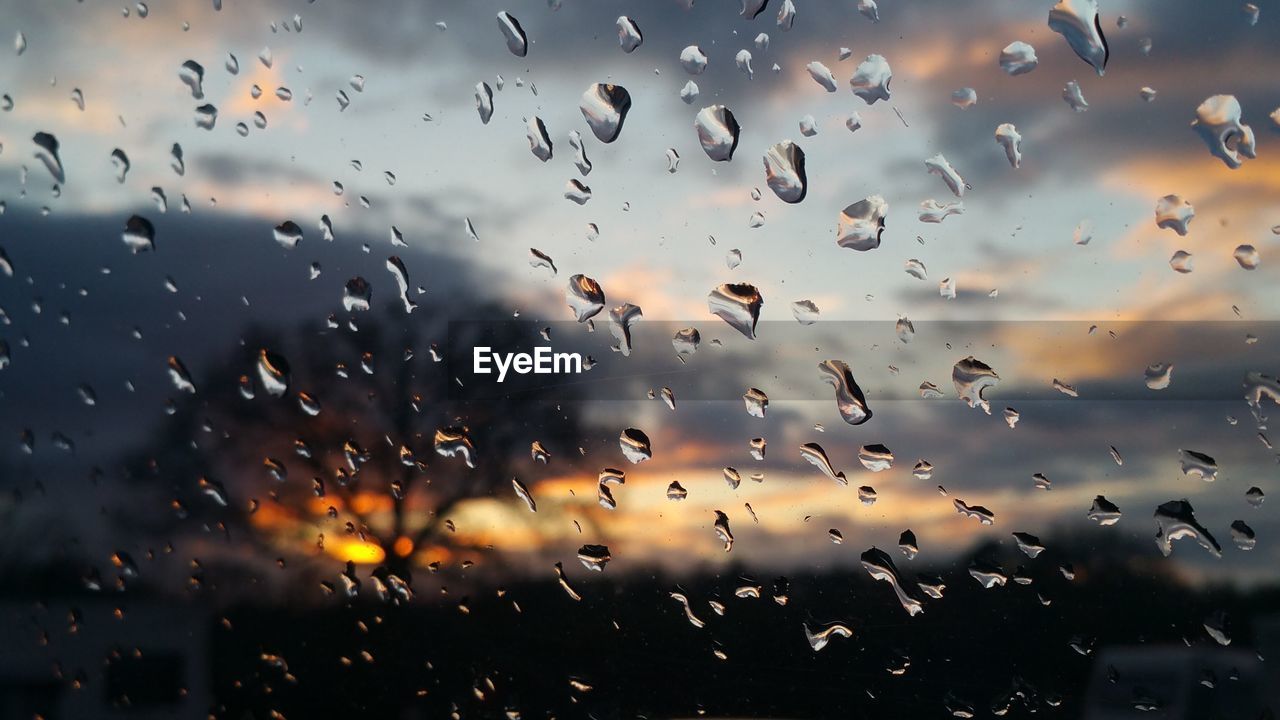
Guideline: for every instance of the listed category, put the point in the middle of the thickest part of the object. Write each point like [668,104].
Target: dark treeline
[522,648]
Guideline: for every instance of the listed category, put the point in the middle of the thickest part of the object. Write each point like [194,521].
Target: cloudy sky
[411,153]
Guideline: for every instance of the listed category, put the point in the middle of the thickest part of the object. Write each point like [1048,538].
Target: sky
[411,153]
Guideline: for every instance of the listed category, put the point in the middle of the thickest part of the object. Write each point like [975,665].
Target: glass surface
[663,359]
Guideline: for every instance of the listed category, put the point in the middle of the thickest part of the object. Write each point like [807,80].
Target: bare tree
[346,453]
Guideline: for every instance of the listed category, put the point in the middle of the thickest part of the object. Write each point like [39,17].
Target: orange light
[272,515]
[403,546]
[434,553]
[368,502]
[356,551]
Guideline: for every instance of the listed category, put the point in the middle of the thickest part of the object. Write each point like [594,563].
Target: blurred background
[246,471]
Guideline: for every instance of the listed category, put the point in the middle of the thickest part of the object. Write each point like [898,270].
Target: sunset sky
[77,295]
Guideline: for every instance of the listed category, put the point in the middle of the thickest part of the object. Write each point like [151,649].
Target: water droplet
[1218,124]
[880,566]
[861,224]
[977,512]
[1242,535]
[744,63]
[484,102]
[689,92]
[539,259]
[876,458]
[180,376]
[594,557]
[819,640]
[821,74]
[733,258]
[1008,138]
[717,132]
[908,545]
[1182,262]
[916,269]
[635,445]
[673,160]
[938,165]
[517,41]
[455,442]
[288,234]
[576,191]
[400,273]
[987,574]
[522,493]
[47,153]
[1247,257]
[1029,544]
[904,329]
[1104,512]
[121,163]
[785,173]
[1176,520]
[1018,58]
[192,75]
[972,378]
[757,403]
[539,141]
[1074,96]
[139,234]
[786,15]
[213,490]
[722,530]
[629,36]
[1255,497]
[964,98]
[580,153]
[805,312]
[867,495]
[585,297]
[560,576]
[1159,375]
[816,456]
[206,116]
[1174,213]
[932,211]
[870,80]
[738,304]
[1148,94]
[605,109]
[923,470]
[693,60]
[1198,465]
[688,609]
[273,373]
[850,401]
[685,341]
[1077,21]
[668,397]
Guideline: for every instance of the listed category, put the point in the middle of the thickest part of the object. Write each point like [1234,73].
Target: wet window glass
[658,358]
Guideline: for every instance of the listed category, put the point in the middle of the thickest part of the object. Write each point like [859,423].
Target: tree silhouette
[344,460]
